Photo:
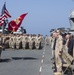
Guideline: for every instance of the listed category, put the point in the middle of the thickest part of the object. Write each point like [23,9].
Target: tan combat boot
[57,73]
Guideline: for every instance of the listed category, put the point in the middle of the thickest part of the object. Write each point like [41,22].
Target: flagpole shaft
[3,28]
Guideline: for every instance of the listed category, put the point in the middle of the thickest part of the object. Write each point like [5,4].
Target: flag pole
[3,28]
[4,19]
[4,25]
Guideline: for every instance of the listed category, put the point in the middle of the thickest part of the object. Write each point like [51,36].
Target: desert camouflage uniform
[25,42]
[37,42]
[18,42]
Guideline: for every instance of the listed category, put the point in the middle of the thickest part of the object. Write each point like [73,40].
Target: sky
[43,15]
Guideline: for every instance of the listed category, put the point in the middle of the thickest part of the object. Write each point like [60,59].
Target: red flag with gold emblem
[15,24]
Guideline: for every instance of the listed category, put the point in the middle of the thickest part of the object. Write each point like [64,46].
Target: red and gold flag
[15,24]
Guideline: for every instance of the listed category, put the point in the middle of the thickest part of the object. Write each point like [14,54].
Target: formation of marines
[23,41]
[61,45]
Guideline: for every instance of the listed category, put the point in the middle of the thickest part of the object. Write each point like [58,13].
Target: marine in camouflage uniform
[38,42]
[13,43]
[31,42]
[18,42]
[58,53]
[47,40]
[10,41]
[25,41]
[7,37]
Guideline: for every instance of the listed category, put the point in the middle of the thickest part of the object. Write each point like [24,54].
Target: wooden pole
[3,28]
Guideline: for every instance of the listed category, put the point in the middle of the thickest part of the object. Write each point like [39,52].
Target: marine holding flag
[15,24]
[4,15]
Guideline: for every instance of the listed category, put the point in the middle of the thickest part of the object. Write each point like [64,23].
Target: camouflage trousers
[53,53]
[58,62]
